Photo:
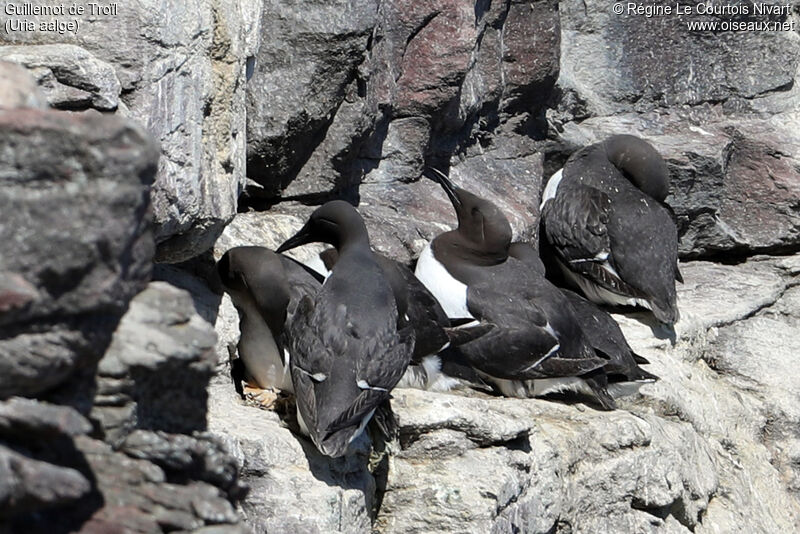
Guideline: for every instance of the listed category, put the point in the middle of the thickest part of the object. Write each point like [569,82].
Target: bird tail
[385,421]
[463,334]
[598,382]
[640,375]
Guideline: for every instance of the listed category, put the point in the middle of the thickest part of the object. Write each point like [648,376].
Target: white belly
[259,352]
[451,294]
[427,376]
[540,386]
[315,263]
[599,294]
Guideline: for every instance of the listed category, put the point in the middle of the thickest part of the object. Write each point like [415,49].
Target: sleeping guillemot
[534,345]
[613,238]
[601,330]
[265,288]
[349,345]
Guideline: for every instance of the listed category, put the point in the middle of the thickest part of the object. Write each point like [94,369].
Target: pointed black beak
[304,236]
[447,185]
[221,274]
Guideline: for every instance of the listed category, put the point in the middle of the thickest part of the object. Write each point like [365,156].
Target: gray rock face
[151,410]
[29,485]
[22,417]
[71,77]
[155,469]
[144,500]
[74,194]
[554,465]
[145,376]
[404,85]
[612,65]
[293,488]
[181,68]
[76,247]
[301,80]
[711,447]
[18,89]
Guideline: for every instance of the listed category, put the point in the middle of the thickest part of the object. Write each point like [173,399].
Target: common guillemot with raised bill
[533,345]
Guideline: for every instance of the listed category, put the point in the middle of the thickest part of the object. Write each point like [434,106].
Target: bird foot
[267,399]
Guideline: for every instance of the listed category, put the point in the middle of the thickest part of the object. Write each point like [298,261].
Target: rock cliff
[173,131]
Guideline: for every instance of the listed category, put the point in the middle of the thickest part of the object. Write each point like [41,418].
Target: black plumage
[265,288]
[605,335]
[433,330]
[611,233]
[415,304]
[350,348]
[532,332]
[600,329]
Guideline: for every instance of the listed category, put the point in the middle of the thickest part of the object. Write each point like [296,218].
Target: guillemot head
[231,277]
[240,267]
[641,164]
[481,225]
[255,274]
[336,223]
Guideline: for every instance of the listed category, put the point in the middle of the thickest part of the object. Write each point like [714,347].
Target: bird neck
[452,250]
[354,244]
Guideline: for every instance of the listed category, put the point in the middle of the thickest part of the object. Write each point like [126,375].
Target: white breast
[451,294]
[427,376]
[259,351]
[551,188]
[315,263]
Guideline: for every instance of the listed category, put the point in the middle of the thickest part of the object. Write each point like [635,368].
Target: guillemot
[613,237]
[433,330]
[349,345]
[601,330]
[534,345]
[265,288]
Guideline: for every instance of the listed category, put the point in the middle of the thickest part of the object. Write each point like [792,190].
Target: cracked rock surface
[180,69]
[711,447]
[117,410]
[102,374]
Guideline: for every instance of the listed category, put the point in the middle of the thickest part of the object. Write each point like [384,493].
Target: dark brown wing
[576,223]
